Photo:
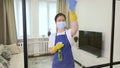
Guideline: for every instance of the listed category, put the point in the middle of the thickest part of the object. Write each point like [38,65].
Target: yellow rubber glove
[58,46]
[73,16]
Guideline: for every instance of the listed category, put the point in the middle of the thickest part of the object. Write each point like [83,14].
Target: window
[19,17]
[40,17]
[52,13]
[47,12]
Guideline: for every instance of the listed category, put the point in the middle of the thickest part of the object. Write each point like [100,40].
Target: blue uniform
[67,60]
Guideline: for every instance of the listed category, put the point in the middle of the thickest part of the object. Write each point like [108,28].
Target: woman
[60,42]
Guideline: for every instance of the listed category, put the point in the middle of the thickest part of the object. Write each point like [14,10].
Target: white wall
[117,33]
[96,15]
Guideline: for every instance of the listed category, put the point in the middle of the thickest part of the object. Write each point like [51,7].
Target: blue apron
[67,57]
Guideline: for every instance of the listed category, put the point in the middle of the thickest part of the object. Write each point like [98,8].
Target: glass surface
[106,67]
[52,13]
[41,14]
[19,18]
[94,18]
[43,19]
[19,56]
[116,66]
[117,33]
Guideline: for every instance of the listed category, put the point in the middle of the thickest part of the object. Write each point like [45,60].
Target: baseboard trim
[41,55]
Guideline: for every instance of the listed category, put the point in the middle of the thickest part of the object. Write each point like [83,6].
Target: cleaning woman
[60,42]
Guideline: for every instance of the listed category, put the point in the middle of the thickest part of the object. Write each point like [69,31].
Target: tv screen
[91,41]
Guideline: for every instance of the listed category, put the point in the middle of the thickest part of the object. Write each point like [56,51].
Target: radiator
[36,47]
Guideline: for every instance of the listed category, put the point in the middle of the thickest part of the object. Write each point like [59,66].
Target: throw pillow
[1,48]
[6,54]
[13,48]
[4,62]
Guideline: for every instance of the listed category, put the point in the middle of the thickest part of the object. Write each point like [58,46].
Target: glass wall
[93,48]
[117,38]
[116,66]
[94,18]
[42,13]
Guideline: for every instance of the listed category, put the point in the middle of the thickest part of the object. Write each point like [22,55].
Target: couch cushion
[1,65]
[1,48]
[13,48]
[17,61]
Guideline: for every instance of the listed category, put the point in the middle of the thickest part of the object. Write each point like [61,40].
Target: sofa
[11,56]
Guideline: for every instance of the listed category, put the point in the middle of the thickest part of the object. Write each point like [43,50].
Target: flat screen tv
[91,42]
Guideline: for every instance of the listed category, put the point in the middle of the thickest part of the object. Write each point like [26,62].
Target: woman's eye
[63,20]
[59,20]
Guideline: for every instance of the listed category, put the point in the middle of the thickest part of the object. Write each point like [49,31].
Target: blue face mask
[61,25]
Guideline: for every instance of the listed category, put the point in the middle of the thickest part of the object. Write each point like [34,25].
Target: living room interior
[92,43]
